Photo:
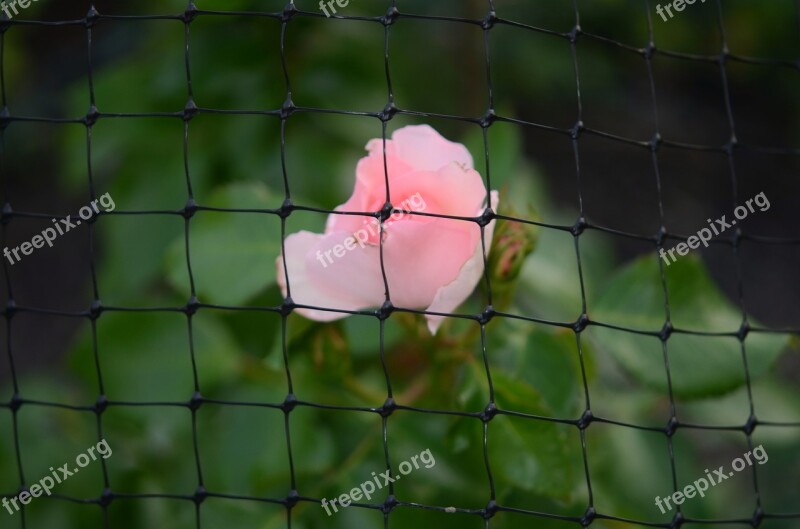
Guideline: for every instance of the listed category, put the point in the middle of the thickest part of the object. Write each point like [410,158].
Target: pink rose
[431,263]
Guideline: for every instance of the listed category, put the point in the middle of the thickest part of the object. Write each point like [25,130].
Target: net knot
[666,331]
[489,20]
[385,212]
[487,315]
[677,521]
[661,236]
[486,217]
[581,323]
[292,498]
[286,209]
[588,516]
[289,11]
[5,118]
[101,404]
[7,213]
[576,130]
[191,306]
[758,516]
[286,307]
[92,16]
[744,330]
[490,510]
[11,308]
[574,34]
[579,226]
[388,112]
[655,142]
[190,13]
[732,145]
[391,15]
[672,426]
[200,494]
[288,108]
[388,407]
[289,403]
[190,110]
[736,240]
[106,498]
[585,420]
[750,425]
[385,311]
[190,208]
[489,118]
[489,412]
[91,117]
[390,503]
[95,309]
[196,401]
[15,403]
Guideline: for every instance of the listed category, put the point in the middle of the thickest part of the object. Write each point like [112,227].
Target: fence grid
[389,20]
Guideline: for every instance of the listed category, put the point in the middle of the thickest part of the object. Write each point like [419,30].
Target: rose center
[370,229]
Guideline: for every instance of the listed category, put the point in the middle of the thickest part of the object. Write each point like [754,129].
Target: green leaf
[232,254]
[550,363]
[532,454]
[550,282]
[699,365]
[253,441]
[146,355]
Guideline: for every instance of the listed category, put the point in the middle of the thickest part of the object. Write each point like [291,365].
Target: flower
[430,263]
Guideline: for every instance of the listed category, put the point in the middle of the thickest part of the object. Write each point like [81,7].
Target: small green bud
[513,242]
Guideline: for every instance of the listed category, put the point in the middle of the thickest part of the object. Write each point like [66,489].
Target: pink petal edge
[450,296]
[297,245]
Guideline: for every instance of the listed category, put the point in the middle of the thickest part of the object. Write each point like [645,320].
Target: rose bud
[513,242]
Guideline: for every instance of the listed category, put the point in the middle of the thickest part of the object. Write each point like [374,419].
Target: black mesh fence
[389,503]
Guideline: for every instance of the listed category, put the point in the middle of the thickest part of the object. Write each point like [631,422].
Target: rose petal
[420,258]
[355,276]
[450,296]
[465,190]
[413,155]
[423,148]
[369,193]
[305,291]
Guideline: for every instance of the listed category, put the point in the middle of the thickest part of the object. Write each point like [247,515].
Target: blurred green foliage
[234,161]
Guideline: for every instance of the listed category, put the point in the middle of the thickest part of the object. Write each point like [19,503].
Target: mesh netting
[393,17]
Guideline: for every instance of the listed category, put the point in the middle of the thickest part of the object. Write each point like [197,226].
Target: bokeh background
[232,158]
